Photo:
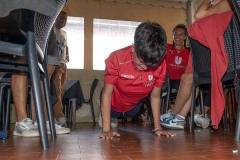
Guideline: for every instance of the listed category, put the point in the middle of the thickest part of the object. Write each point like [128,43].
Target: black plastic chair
[90,100]
[202,62]
[232,44]
[202,74]
[32,21]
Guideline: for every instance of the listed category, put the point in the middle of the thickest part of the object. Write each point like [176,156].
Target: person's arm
[106,106]
[209,7]
[106,111]
[155,105]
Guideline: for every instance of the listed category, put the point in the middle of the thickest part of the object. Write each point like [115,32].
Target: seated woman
[183,99]
[177,55]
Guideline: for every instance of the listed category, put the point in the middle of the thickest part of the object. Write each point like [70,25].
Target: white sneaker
[100,120]
[114,122]
[59,129]
[62,121]
[25,128]
[201,121]
[166,115]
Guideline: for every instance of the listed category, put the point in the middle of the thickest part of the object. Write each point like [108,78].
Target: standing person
[177,55]
[183,100]
[60,72]
[133,73]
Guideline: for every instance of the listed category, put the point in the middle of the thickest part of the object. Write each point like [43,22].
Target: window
[108,36]
[75,36]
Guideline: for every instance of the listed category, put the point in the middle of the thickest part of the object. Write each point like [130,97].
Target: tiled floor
[136,143]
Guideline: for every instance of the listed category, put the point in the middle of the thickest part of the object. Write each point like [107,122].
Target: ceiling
[175,0]
[165,3]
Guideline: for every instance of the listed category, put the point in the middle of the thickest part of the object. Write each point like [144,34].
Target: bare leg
[59,82]
[186,108]
[19,84]
[184,93]
[206,109]
[50,72]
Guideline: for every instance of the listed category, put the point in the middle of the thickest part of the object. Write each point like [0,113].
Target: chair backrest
[236,4]
[31,16]
[201,58]
[43,24]
[232,45]
[93,87]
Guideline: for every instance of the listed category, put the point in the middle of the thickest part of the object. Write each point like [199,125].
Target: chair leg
[234,104]
[2,87]
[93,115]
[224,116]
[72,111]
[237,129]
[69,113]
[73,108]
[167,101]
[7,109]
[49,106]
[201,102]
[192,108]
[162,105]
[35,81]
[230,107]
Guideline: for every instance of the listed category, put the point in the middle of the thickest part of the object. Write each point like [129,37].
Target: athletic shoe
[166,115]
[59,129]
[114,122]
[173,122]
[62,122]
[201,121]
[25,128]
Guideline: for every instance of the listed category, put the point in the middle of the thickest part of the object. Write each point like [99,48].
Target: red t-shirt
[130,85]
[177,61]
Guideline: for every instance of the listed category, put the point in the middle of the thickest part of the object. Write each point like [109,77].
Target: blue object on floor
[3,134]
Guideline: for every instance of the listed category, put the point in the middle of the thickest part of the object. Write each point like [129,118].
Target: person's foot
[59,129]
[201,121]
[114,122]
[173,122]
[62,121]
[166,115]
[25,128]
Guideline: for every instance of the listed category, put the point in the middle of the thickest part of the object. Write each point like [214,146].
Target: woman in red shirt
[177,55]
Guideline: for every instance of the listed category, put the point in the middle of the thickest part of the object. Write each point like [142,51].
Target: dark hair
[150,43]
[185,30]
